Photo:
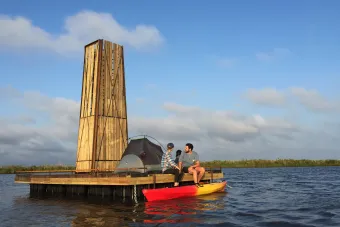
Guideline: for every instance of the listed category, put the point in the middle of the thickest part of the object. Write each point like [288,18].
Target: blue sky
[213,49]
[196,34]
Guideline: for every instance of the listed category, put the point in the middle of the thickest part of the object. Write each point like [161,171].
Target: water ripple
[270,197]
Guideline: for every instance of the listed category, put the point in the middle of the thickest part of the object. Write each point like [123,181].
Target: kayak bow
[182,191]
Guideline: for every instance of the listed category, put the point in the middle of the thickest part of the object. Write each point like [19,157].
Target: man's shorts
[185,169]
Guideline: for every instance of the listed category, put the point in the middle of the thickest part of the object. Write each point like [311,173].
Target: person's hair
[190,146]
[178,152]
[170,145]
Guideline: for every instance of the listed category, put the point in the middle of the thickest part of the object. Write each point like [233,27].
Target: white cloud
[310,99]
[274,54]
[314,101]
[79,30]
[230,135]
[36,140]
[266,96]
[50,136]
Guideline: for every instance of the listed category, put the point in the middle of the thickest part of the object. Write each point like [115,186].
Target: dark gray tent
[141,153]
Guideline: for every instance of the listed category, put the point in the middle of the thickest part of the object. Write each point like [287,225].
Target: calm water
[259,197]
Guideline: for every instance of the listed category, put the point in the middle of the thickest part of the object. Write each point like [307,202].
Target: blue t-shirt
[188,159]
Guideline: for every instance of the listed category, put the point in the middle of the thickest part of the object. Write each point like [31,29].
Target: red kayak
[182,191]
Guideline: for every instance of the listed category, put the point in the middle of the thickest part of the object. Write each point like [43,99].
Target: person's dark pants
[178,176]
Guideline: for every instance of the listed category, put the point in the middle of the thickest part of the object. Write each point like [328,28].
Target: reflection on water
[185,209]
[103,213]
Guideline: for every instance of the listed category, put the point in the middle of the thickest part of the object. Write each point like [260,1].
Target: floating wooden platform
[82,179]
[70,183]
[103,138]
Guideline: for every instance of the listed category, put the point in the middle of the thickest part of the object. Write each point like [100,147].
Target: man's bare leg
[194,174]
[201,171]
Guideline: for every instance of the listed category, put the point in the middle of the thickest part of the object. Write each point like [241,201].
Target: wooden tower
[103,130]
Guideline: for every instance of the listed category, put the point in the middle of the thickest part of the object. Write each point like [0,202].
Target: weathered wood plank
[109,180]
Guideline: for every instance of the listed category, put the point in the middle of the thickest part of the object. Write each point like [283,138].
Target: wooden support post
[96,110]
[154,181]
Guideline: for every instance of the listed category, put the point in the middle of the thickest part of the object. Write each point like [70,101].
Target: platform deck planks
[72,179]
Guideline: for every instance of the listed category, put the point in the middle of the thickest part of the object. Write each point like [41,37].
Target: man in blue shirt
[189,163]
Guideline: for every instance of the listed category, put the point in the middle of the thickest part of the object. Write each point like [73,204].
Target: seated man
[169,166]
[189,160]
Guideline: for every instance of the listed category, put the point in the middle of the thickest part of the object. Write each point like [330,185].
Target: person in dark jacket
[178,153]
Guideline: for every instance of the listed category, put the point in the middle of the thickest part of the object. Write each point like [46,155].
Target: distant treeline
[13,168]
[253,163]
[262,163]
